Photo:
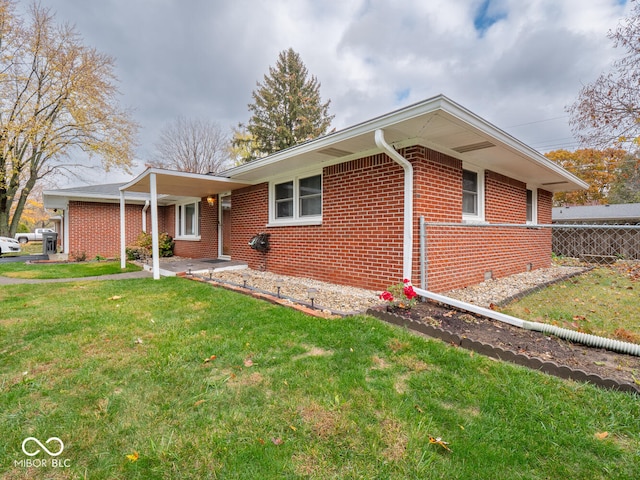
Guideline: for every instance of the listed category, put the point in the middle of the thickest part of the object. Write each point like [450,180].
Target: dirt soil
[620,367]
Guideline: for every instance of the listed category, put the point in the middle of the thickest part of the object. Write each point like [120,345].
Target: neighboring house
[346,207]
[619,214]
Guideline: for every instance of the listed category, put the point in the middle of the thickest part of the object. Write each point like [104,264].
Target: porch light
[211,200]
[311,293]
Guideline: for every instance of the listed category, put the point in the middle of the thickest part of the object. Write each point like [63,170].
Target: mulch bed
[535,350]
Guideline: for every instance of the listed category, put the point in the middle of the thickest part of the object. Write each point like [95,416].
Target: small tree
[287,108]
[196,146]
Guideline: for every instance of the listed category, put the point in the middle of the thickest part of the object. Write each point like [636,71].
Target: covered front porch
[159,184]
[172,266]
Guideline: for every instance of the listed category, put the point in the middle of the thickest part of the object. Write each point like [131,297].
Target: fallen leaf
[133,457]
[293,428]
[212,357]
[260,441]
[419,409]
[276,441]
[248,362]
[439,441]
[601,435]
[115,297]
[199,402]
[138,341]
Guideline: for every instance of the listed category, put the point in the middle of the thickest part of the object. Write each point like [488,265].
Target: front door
[225,227]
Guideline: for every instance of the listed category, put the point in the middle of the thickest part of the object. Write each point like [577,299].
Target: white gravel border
[349,300]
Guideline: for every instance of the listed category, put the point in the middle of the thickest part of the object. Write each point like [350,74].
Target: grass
[173,379]
[63,270]
[602,302]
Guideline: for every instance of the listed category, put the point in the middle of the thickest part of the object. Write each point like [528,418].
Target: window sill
[294,223]
[473,220]
[188,239]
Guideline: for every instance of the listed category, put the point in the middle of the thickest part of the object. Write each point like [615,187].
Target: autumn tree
[190,145]
[599,168]
[57,98]
[607,111]
[287,108]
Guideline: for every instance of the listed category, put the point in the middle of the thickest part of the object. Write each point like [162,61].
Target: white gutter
[407,249]
[578,337]
[144,216]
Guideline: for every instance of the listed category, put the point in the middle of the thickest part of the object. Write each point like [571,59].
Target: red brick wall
[207,246]
[505,199]
[94,228]
[360,240]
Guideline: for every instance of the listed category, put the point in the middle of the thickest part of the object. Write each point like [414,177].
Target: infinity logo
[33,439]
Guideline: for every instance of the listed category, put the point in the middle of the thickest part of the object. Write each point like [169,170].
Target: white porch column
[154,227]
[123,249]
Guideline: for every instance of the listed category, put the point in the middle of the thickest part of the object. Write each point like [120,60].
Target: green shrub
[143,245]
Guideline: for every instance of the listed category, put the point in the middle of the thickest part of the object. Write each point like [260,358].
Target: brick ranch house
[346,208]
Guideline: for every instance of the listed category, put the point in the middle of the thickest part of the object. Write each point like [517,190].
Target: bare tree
[56,96]
[607,111]
[189,145]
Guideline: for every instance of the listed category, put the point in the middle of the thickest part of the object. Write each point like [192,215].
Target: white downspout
[407,256]
[144,215]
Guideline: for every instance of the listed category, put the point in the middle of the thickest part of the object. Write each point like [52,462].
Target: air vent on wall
[473,146]
[334,152]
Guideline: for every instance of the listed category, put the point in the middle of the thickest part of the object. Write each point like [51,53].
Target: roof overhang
[437,123]
[183,184]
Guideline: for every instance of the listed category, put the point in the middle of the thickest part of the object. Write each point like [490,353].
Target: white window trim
[479,217]
[296,220]
[534,205]
[190,238]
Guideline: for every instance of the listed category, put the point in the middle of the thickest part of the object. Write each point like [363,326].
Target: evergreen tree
[287,108]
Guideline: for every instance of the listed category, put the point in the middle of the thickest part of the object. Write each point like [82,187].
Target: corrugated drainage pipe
[564,333]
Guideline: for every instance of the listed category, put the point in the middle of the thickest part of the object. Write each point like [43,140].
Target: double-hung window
[187,221]
[472,195]
[297,201]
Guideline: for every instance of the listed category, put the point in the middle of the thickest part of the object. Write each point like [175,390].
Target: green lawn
[601,302]
[174,379]
[63,270]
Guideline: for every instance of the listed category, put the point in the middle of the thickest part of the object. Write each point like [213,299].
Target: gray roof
[624,212]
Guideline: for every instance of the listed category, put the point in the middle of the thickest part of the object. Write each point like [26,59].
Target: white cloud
[200,58]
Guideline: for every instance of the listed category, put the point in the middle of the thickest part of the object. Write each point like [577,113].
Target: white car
[8,245]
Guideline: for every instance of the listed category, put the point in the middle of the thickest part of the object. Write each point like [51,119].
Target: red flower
[409,292]
[386,296]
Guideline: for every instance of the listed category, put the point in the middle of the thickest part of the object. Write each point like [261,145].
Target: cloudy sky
[516,63]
